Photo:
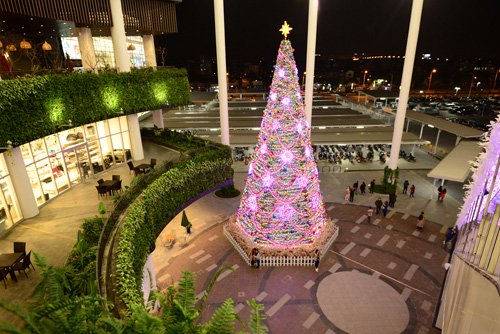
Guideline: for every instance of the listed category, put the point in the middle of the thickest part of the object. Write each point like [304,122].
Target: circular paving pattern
[379,308]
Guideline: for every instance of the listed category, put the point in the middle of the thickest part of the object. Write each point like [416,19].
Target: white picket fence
[280,261]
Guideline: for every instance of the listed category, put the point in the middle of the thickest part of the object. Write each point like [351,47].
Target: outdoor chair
[3,275]
[117,187]
[152,163]
[100,181]
[24,264]
[19,247]
[131,167]
[102,191]
[116,177]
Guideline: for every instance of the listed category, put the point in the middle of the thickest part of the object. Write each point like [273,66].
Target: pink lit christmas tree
[282,203]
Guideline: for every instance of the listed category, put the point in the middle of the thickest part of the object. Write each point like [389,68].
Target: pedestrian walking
[369,214]
[385,208]
[405,186]
[420,222]
[257,258]
[355,187]
[351,195]
[378,205]
[450,234]
[440,190]
[442,195]
[412,191]
[253,257]
[362,188]
[347,193]
[392,199]
[372,186]
[317,256]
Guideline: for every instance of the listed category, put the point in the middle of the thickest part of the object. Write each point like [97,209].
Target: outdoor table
[109,183]
[7,260]
[143,167]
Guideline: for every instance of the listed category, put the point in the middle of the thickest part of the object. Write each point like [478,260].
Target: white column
[312,24]
[458,140]
[21,182]
[158,118]
[421,130]
[220,41]
[148,279]
[411,47]
[89,61]
[149,50]
[407,124]
[135,137]
[118,36]
[437,140]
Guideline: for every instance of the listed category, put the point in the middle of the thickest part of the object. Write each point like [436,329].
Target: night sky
[376,27]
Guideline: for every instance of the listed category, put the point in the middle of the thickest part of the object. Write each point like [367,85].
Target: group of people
[406,184]
[351,191]
[441,194]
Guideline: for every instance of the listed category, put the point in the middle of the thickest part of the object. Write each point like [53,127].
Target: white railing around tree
[280,261]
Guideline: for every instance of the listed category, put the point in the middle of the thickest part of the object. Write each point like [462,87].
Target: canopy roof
[456,165]
[454,128]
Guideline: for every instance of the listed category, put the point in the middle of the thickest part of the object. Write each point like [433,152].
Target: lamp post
[303,80]
[364,77]
[471,84]
[430,79]
[495,81]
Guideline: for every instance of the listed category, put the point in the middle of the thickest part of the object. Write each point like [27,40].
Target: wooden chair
[19,247]
[131,167]
[117,187]
[152,163]
[102,191]
[24,264]
[3,275]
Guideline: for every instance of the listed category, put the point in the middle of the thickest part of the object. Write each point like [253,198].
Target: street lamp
[430,79]
[471,84]
[364,77]
[495,81]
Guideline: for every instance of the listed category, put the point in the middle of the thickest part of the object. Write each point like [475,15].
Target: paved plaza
[379,278]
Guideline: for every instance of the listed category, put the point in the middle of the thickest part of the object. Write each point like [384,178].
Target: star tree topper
[285,29]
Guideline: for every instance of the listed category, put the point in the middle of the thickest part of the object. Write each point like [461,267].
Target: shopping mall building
[101,34]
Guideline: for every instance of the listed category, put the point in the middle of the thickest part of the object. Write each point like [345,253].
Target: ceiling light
[11,48]
[46,46]
[25,44]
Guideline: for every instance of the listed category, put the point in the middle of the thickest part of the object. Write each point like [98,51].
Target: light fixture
[25,44]
[131,47]
[46,46]
[1,45]
[11,48]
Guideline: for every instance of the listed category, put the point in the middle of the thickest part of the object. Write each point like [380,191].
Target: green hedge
[159,203]
[32,107]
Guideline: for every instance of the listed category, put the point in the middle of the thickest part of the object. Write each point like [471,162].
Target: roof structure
[388,94]
[454,128]
[456,165]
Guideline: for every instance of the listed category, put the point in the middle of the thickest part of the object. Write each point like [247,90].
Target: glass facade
[59,161]
[9,206]
[103,48]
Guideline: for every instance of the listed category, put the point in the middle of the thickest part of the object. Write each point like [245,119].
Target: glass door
[77,163]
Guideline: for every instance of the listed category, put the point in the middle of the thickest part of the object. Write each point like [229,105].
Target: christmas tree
[282,204]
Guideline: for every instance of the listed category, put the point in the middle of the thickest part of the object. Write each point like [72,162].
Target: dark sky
[376,27]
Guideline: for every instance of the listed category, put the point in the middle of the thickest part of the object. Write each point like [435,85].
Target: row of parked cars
[473,112]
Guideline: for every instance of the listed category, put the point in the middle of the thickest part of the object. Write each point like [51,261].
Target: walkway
[287,293]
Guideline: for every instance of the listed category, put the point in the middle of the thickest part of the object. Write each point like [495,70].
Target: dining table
[143,167]
[109,183]
[7,260]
